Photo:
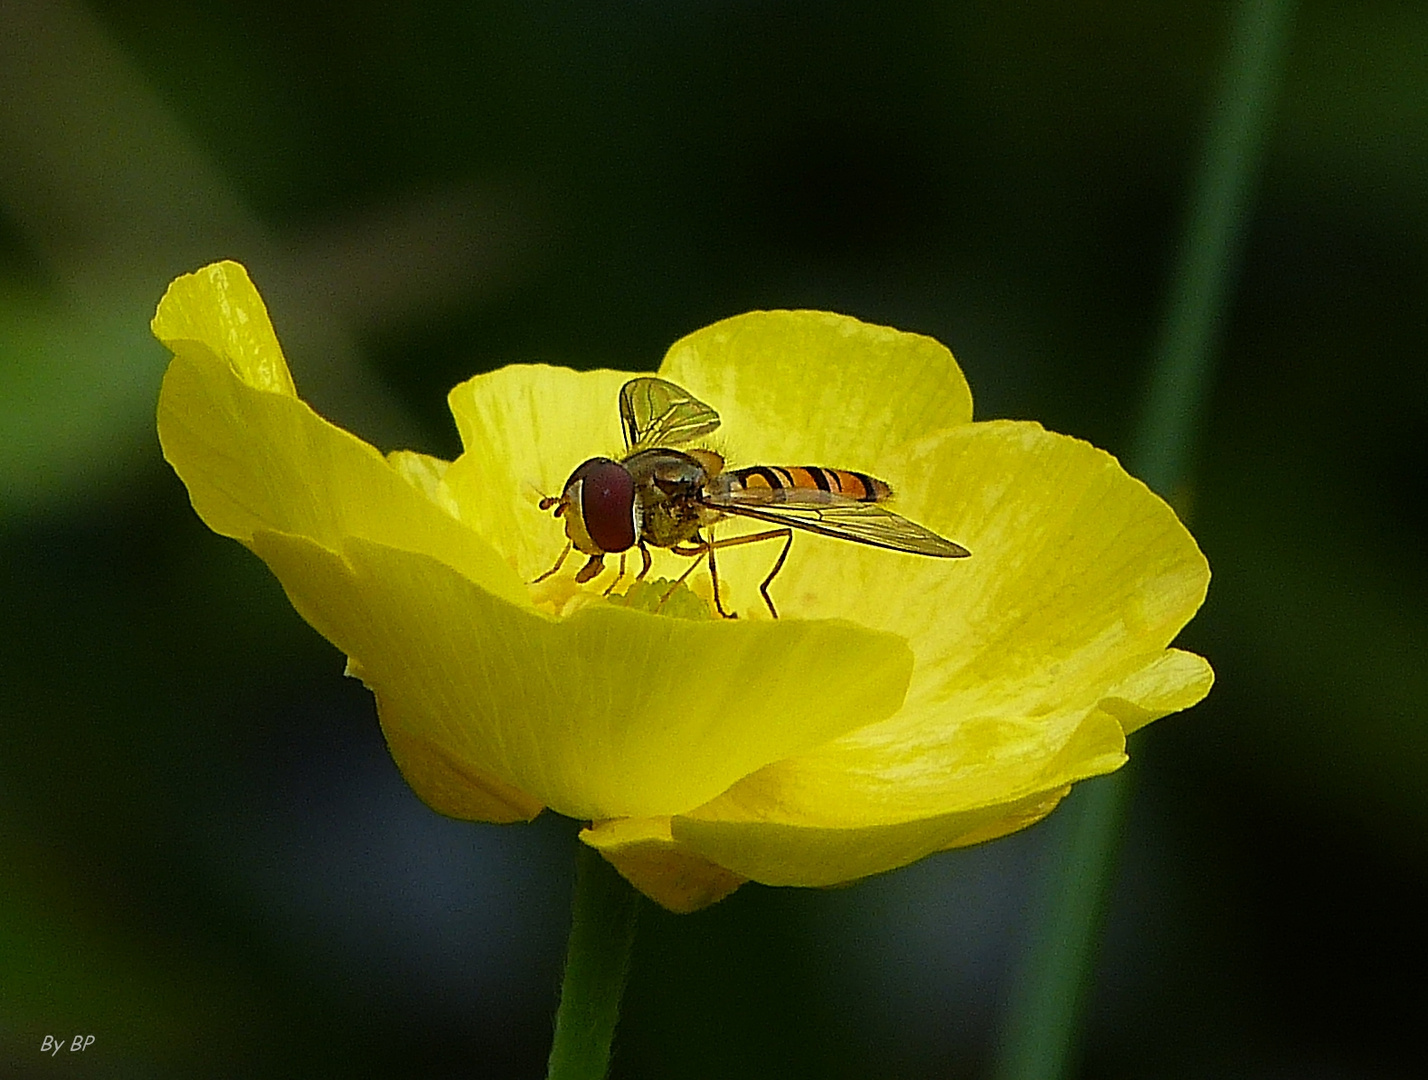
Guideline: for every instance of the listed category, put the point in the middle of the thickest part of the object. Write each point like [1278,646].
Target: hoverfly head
[603,513]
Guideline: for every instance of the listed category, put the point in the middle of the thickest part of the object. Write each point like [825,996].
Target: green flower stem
[1039,1039]
[597,961]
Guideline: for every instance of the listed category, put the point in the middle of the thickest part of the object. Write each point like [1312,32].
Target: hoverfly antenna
[535,493]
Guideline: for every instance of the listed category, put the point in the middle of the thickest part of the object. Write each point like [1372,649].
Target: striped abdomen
[803,483]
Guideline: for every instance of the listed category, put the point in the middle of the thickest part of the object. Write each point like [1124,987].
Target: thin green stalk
[1211,245]
[1039,1040]
[602,932]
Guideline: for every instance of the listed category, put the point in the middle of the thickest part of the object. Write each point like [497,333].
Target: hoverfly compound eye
[607,503]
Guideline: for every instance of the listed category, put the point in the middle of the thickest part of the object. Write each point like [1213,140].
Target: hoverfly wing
[654,413]
[861,522]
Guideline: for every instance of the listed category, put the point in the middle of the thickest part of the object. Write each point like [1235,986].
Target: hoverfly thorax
[668,488]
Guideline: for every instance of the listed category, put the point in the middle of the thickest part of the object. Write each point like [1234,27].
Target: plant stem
[1208,259]
[597,961]
[1039,1038]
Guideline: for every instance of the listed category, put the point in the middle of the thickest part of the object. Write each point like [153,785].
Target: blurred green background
[207,860]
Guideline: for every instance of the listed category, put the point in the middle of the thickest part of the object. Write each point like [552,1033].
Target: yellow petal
[821,857]
[428,475]
[1174,680]
[815,388]
[256,458]
[651,860]
[217,313]
[610,713]
[524,429]
[1030,654]
[455,786]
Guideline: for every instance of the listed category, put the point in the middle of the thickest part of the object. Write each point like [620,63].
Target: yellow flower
[903,705]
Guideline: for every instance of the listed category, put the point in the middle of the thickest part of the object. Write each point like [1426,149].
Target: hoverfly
[660,495]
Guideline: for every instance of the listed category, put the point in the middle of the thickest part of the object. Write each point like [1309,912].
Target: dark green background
[207,860]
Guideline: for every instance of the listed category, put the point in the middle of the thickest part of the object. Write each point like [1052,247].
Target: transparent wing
[654,413]
[861,522]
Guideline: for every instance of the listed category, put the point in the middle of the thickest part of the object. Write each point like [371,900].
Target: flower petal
[609,713]
[1174,680]
[428,475]
[452,785]
[651,860]
[216,312]
[789,845]
[255,457]
[524,429]
[815,388]
[1030,654]
[775,853]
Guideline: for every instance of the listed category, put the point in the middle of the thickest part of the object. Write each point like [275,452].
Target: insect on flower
[670,498]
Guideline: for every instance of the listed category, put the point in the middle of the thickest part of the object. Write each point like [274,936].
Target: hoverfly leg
[610,588]
[590,569]
[558,564]
[714,578]
[764,588]
[694,551]
[648,562]
[786,535]
[708,547]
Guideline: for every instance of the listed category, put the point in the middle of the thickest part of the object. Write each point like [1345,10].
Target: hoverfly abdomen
[807,483]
